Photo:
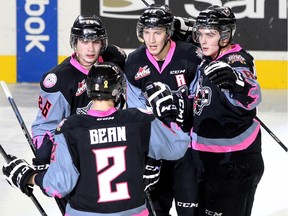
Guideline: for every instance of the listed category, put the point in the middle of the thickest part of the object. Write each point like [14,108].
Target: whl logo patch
[81,88]
[142,72]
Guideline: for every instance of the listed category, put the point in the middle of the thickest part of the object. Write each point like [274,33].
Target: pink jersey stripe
[235,147]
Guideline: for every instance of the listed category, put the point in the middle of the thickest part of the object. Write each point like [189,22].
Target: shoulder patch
[50,80]
[235,58]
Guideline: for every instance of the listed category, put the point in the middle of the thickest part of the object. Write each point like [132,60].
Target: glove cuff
[23,185]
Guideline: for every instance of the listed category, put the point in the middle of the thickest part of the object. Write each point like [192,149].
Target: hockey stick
[150,203]
[33,198]
[272,134]
[18,115]
[25,130]
[146,4]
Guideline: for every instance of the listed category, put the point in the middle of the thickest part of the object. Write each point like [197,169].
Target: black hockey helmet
[219,18]
[155,16]
[105,81]
[89,28]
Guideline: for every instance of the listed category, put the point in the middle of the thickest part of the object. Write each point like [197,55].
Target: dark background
[269,33]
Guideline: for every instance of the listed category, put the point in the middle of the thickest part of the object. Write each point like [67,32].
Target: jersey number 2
[106,177]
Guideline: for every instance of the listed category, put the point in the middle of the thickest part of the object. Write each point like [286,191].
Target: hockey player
[226,139]
[63,88]
[175,64]
[98,158]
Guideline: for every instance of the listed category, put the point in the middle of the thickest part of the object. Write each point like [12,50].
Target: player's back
[109,152]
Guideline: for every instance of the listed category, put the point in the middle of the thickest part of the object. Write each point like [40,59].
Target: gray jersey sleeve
[253,95]
[53,108]
[62,175]
[134,96]
[167,143]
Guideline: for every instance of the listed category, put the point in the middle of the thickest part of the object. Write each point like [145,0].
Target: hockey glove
[184,105]
[116,55]
[152,173]
[17,173]
[183,29]
[161,100]
[222,75]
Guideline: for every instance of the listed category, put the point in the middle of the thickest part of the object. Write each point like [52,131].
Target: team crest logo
[236,58]
[81,88]
[142,72]
[202,98]
[50,80]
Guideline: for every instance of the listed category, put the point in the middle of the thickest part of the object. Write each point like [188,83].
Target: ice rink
[272,195]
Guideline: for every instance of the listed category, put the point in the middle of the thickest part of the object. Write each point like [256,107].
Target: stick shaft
[272,134]
[146,3]
[25,131]
[18,115]
[150,203]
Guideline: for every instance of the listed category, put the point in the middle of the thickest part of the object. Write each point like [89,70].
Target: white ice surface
[271,197]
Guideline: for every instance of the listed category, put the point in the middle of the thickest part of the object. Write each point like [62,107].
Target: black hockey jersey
[224,121]
[63,93]
[178,69]
[99,159]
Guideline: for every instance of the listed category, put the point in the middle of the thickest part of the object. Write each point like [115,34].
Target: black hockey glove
[116,55]
[152,173]
[161,100]
[222,75]
[184,105]
[17,173]
[183,29]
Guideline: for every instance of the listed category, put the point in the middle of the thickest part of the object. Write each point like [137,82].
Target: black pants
[177,181]
[228,186]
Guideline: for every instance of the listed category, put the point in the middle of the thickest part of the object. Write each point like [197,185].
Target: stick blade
[6,89]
